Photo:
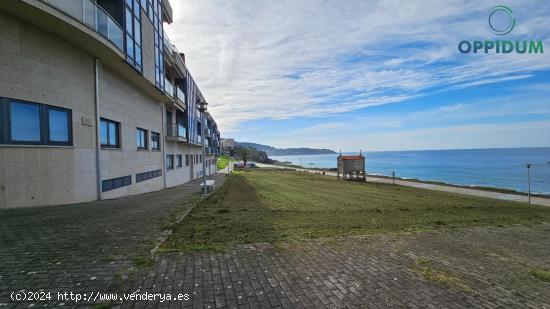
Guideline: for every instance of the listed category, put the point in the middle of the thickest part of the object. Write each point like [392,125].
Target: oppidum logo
[501,22]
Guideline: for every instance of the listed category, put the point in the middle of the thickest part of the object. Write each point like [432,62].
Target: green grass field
[223,161]
[274,207]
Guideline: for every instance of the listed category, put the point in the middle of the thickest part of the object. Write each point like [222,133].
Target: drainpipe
[97,129]
[164,127]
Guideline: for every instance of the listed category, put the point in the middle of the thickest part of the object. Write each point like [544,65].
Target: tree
[243,154]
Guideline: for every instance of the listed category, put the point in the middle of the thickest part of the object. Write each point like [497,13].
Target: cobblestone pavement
[97,246]
[481,268]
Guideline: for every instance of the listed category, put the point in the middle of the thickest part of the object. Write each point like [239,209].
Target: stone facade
[42,66]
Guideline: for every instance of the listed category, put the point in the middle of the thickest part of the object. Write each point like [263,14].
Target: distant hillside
[272,151]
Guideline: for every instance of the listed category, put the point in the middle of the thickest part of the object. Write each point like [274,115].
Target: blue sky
[375,75]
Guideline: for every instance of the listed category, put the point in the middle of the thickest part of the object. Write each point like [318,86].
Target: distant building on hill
[350,166]
[228,143]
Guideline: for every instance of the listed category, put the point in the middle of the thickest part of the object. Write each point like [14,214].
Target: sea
[497,168]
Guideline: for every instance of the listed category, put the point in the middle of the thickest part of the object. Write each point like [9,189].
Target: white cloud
[287,58]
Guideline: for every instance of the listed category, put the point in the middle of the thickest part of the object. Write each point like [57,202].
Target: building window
[32,123]
[115,183]
[59,125]
[110,133]
[25,122]
[186,160]
[133,34]
[179,159]
[141,139]
[169,162]
[155,141]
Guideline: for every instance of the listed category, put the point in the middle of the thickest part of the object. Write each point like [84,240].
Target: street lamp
[529,181]
[202,109]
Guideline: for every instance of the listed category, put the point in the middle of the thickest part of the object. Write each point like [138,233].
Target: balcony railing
[168,87]
[180,94]
[168,44]
[176,132]
[93,16]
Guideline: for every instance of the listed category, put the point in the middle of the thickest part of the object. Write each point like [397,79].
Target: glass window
[109,133]
[186,160]
[138,56]
[58,125]
[34,123]
[141,139]
[137,31]
[129,47]
[113,133]
[25,122]
[155,141]
[103,130]
[179,160]
[169,162]
[129,21]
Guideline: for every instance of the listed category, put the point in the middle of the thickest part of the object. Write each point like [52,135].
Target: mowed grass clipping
[270,206]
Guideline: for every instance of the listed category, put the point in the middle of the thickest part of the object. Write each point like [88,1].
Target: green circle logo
[505,12]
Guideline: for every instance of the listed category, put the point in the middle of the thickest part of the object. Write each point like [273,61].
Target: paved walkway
[475,268]
[99,246]
[476,192]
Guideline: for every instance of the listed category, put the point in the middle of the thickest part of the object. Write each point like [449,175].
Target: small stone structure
[351,167]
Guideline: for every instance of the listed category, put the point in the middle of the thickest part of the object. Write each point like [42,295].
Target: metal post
[97,130]
[203,153]
[529,181]
[393,177]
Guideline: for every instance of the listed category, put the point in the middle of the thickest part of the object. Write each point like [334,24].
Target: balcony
[92,15]
[176,133]
[169,46]
[168,87]
[167,11]
[180,95]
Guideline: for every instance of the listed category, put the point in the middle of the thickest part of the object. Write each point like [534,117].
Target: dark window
[148,175]
[115,183]
[179,159]
[169,123]
[110,133]
[32,123]
[186,160]
[169,162]
[141,139]
[155,141]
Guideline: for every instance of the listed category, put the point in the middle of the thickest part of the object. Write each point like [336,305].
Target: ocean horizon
[504,168]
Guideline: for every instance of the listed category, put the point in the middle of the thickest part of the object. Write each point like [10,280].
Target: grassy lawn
[222,162]
[274,206]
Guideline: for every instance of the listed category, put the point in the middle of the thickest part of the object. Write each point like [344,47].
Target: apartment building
[95,103]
